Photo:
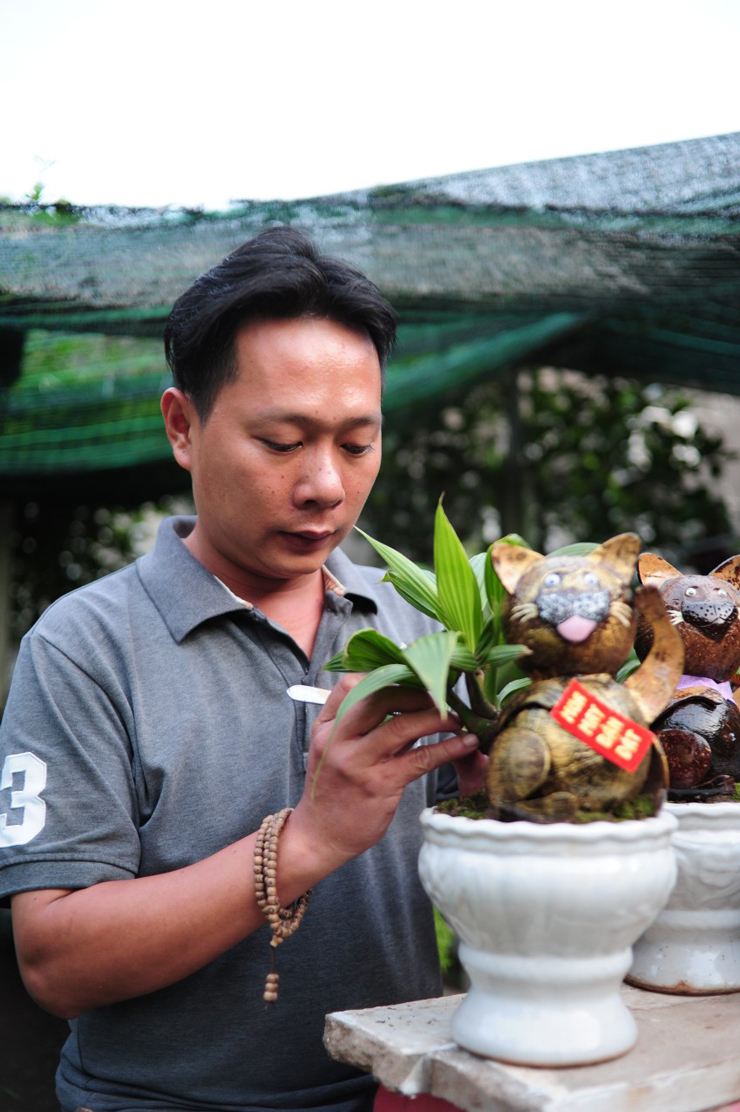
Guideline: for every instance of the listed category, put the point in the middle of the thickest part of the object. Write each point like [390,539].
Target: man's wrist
[306,856]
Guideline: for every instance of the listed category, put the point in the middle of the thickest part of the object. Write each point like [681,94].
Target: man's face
[284,462]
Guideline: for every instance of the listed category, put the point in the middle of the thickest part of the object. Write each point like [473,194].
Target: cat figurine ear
[511,561]
[729,571]
[654,570]
[620,553]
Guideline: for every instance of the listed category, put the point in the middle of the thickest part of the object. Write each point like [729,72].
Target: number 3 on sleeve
[26,799]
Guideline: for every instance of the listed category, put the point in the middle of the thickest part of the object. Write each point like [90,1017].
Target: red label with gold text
[621,740]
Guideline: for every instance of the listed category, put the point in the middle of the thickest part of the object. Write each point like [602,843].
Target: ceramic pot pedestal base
[580,1013]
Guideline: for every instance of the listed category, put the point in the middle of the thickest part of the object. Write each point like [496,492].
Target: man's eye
[275,446]
[358,449]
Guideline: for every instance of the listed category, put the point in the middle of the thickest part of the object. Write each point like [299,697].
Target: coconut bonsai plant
[528,880]
[694,944]
[518,628]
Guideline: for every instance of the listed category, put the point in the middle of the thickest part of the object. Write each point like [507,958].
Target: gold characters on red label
[609,733]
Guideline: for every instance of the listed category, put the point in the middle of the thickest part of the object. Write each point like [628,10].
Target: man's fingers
[337,695]
[370,711]
[425,758]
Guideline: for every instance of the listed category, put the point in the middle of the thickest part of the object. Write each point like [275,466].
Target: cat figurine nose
[710,618]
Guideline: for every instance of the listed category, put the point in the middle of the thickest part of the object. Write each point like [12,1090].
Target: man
[149,731]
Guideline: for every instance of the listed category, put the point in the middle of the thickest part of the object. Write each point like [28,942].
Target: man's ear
[179,414]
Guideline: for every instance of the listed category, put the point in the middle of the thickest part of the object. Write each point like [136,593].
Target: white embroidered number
[27,797]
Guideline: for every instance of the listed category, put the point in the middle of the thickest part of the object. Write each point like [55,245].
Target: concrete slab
[686,1059]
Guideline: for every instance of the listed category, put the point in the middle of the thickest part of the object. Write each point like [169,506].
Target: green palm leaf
[478,564]
[411,581]
[579,548]
[463,660]
[457,587]
[411,593]
[495,590]
[512,688]
[631,664]
[366,650]
[502,654]
[488,638]
[430,658]
[386,676]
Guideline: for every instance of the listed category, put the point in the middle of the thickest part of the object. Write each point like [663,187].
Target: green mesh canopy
[623,263]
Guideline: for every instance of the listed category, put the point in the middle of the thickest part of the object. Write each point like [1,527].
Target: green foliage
[556,456]
[641,807]
[414,584]
[446,945]
[465,597]
[460,604]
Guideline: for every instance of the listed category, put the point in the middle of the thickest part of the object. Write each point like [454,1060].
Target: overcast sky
[157,102]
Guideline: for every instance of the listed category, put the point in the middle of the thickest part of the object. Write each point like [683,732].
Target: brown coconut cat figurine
[577,615]
[700,728]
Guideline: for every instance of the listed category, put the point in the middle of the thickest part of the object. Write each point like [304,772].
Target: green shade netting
[624,263]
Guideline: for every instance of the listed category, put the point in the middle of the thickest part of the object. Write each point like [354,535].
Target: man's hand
[367,760]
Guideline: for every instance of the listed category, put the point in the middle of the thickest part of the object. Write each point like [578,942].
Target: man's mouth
[311,534]
[308,538]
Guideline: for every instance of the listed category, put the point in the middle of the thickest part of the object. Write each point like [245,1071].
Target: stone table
[687,1059]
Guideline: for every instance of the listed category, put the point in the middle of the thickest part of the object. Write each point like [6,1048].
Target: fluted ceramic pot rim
[483,834]
[700,812]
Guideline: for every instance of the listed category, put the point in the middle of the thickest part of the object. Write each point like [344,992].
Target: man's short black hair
[277,275]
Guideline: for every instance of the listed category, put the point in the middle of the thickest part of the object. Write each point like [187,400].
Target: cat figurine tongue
[578,616]
[576,628]
[700,728]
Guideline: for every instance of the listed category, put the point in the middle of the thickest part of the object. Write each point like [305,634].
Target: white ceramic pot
[693,947]
[546,916]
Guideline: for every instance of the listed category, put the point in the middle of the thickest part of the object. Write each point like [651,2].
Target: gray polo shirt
[148,726]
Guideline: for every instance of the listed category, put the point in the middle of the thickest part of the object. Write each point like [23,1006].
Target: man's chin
[284,562]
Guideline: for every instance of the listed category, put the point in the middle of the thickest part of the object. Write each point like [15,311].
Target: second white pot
[693,947]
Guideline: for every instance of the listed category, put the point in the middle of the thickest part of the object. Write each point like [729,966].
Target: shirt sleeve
[68,810]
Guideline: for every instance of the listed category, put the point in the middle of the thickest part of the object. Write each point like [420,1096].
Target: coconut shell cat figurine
[700,728]
[556,749]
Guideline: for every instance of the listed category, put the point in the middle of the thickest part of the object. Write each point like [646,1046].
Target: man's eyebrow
[280,415]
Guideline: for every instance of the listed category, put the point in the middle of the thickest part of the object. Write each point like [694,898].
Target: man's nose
[321,481]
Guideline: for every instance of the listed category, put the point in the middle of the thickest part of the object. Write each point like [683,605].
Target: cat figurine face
[574,613]
[705,610]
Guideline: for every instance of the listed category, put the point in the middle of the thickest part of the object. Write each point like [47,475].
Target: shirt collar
[355,582]
[186,594]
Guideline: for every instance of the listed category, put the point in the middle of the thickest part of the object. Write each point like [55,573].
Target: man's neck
[296,604]
[297,608]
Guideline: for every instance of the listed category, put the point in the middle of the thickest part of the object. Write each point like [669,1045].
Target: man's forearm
[120,939]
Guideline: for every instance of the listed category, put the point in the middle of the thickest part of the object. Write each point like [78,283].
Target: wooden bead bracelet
[283,921]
